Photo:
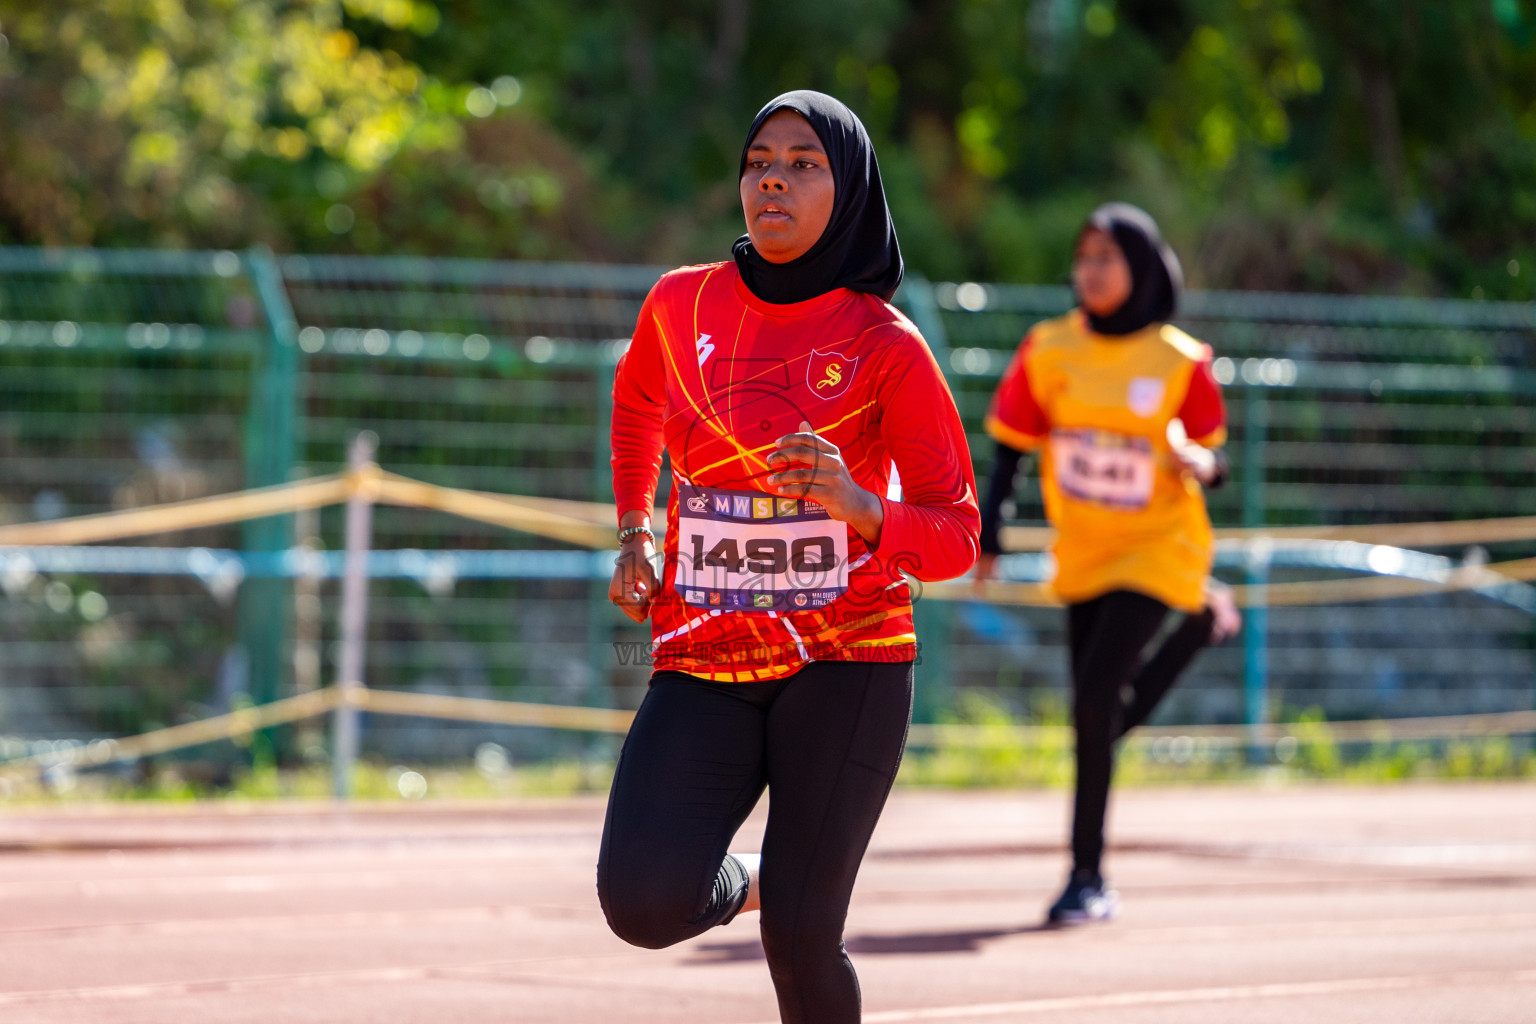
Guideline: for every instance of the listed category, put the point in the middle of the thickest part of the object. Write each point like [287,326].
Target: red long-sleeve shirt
[717,376]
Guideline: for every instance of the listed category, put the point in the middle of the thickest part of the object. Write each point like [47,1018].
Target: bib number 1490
[766,556]
[745,551]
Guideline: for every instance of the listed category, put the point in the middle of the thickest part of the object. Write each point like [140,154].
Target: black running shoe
[1085,901]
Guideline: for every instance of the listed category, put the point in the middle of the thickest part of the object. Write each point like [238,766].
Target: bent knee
[645,917]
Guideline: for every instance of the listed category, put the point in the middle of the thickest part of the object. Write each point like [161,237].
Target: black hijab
[858,248]
[1156,277]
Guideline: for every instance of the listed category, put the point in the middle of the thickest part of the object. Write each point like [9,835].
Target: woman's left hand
[809,466]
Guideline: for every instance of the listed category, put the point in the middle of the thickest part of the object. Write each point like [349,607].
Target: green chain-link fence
[130,378]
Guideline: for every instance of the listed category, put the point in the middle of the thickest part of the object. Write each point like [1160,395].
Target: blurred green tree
[1381,145]
[193,121]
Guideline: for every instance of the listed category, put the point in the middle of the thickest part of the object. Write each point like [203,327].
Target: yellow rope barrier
[1033,595]
[1383,730]
[585,523]
[1381,588]
[497,509]
[492,712]
[1300,592]
[589,524]
[1399,535]
[1026,538]
[240,722]
[245,721]
[217,510]
[1402,535]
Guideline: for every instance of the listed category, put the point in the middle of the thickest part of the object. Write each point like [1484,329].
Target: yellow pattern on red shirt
[715,376]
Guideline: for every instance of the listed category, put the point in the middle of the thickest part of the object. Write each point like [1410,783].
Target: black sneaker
[1085,901]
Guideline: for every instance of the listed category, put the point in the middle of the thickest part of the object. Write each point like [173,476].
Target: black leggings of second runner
[1106,637]
[826,741]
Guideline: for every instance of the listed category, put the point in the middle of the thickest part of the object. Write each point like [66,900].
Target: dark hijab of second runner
[1156,276]
[858,249]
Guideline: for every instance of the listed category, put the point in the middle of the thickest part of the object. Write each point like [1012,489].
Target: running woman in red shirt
[791,396]
[1129,421]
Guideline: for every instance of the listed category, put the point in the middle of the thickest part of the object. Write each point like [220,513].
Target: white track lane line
[433,875]
[415,917]
[504,969]
[1229,993]
[345,919]
[498,970]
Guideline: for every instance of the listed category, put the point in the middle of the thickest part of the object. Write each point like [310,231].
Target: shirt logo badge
[828,374]
[698,504]
[705,347]
[1145,395]
[762,600]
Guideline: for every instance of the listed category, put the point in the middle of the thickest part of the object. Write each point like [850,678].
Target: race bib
[1113,470]
[747,551]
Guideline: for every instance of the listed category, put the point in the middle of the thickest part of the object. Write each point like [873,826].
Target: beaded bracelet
[635,531]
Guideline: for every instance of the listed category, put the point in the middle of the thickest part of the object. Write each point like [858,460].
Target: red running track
[1320,904]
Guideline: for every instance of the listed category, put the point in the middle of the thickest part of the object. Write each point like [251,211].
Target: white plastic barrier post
[354,620]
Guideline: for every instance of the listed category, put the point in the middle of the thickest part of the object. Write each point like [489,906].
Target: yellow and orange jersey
[1100,410]
[756,585]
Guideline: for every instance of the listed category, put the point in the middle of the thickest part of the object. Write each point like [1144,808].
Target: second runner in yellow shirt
[1128,421]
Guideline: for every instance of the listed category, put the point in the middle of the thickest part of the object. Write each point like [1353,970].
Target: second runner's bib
[750,551]
[1105,468]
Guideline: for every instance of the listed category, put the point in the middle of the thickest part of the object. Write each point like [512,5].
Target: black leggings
[827,741]
[1113,691]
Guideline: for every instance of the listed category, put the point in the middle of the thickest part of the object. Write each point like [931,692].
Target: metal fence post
[917,296]
[1256,621]
[271,444]
[354,620]
[935,625]
[307,627]
[599,610]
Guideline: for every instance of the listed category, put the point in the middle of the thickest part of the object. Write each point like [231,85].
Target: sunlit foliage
[1381,145]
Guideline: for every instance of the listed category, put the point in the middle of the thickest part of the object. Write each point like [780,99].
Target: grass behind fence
[1310,754]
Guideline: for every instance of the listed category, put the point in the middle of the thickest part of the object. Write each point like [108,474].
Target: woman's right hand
[1226,620]
[634,582]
